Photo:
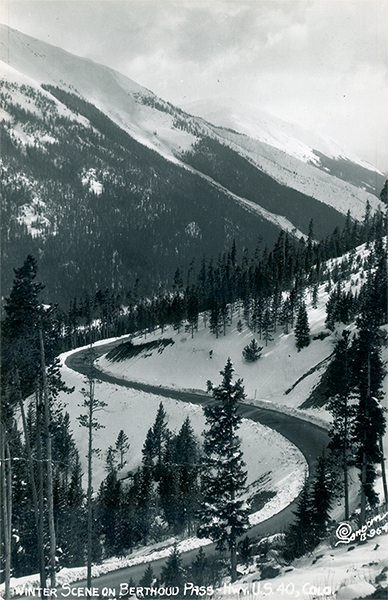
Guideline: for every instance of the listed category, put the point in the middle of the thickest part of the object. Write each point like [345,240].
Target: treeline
[267,288]
[103,212]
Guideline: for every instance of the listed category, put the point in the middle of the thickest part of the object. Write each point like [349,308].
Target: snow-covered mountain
[292,138]
[158,173]
[288,152]
[295,156]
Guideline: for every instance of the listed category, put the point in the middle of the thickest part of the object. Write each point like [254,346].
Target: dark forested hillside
[240,176]
[97,208]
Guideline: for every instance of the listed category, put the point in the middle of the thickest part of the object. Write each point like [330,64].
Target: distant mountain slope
[106,183]
[295,157]
[170,131]
[100,210]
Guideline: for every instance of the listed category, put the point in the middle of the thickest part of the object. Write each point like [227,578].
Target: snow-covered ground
[343,572]
[264,450]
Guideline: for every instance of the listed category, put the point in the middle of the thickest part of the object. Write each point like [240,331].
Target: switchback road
[308,437]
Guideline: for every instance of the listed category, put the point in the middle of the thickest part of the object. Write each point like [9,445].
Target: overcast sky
[322,63]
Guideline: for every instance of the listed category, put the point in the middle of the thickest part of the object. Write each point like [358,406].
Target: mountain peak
[262,125]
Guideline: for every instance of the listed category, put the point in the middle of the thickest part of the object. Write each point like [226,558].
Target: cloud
[320,61]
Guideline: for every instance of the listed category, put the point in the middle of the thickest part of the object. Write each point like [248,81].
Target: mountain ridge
[127,104]
[96,168]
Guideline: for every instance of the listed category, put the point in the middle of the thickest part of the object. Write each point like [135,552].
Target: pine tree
[155,442]
[321,500]
[286,315]
[148,451]
[215,319]
[252,351]
[148,579]
[159,435]
[168,485]
[172,574]
[224,516]
[206,570]
[88,420]
[108,510]
[299,537]
[122,447]
[302,329]
[111,460]
[197,569]
[76,532]
[188,459]
[127,531]
[383,193]
[192,309]
[145,502]
[368,376]
[267,326]
[342,409]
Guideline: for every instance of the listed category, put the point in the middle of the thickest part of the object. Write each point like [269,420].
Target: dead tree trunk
[50,494]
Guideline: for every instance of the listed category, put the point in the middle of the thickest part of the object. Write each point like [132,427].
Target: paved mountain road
[308,437]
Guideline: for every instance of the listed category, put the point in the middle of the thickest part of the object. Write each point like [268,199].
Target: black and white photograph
[194,299]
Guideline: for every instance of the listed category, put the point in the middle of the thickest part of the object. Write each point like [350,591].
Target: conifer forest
[52,519]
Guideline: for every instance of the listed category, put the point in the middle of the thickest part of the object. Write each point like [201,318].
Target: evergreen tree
[321,500]
[173,574]
[341,409]
[127,531]
[302,329]
[286,315]
[145,502]
[299,537]
[314,297]
[267,326]
[216,313]
[188,458]
[383,193]
[196,571]
[76,531]
[168,485]
[160,435]
[368,376]
[148,450]
[122,447]
[224,516]
[92,405]
[155,443]
[252,351]
[109,499]
[192,309]
[111,461]
[148,579]
[257,315]
[206,570]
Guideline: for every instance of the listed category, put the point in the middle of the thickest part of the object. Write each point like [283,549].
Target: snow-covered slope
[295,156]
[261,125]
[282,150]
